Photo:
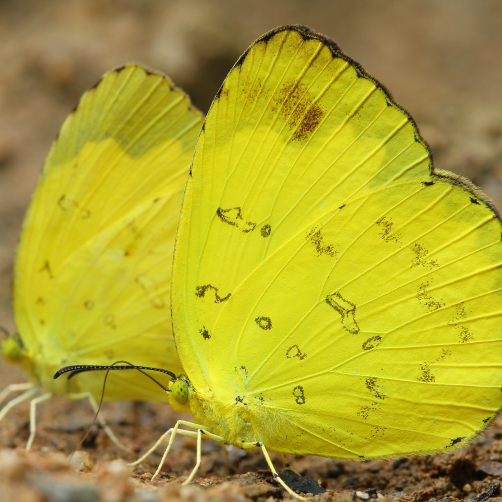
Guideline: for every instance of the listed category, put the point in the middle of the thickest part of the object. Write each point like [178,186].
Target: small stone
[229,491]
[146,496]
[12,465]
[114,479]
[81,461]
[63,491]
[492,468]
[116,469]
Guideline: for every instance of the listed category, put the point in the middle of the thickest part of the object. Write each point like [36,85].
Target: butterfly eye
[180,391]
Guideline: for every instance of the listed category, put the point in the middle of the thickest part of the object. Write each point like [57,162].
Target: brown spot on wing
[233,216]
[372,342]
[299,393]
[264,322]
[110,321]
[200,292]
[297,106]
[347,311]
[205,333]
[47,268]
[294,351]
[265,230]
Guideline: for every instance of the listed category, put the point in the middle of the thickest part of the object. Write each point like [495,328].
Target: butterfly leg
[152,449]
[163,437]
[101,420]
[276,476]
[173,432]
[287,465]
[197,465]
[200,430]
[14,387]
[33,416]
[19,399]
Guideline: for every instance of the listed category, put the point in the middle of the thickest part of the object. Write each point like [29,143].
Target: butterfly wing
[333,294]
[92,275]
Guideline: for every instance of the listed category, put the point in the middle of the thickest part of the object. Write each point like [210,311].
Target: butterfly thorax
[228,417]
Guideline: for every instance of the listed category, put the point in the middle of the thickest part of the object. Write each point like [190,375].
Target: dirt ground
[440,60]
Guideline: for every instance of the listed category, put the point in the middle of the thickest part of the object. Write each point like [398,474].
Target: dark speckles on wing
[296,105]
[373,385]
[205,333]
[321,247]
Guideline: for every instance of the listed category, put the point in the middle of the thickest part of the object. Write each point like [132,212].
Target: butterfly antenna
[4,330]
[76,369]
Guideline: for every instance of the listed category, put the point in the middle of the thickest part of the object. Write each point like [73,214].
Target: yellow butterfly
[93,269]
[332,294]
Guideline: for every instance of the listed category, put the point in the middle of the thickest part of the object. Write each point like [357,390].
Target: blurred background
[441,60]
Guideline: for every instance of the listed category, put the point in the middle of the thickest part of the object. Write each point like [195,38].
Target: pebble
[81,461]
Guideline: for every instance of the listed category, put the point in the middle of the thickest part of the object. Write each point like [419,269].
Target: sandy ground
[441,61]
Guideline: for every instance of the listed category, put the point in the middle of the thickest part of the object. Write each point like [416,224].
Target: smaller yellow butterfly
[93,269]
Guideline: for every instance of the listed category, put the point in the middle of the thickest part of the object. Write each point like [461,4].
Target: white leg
[174,430]
[190,434]
[14,387]
[33,418]
[287,465]
[276,476]
[17,400]
[101,420]
[197,465]
[163,437]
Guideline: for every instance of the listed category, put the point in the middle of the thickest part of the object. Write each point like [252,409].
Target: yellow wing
[93,270]
[333,294]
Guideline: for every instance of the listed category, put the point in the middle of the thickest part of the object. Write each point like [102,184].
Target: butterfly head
[12,349]
[179,393]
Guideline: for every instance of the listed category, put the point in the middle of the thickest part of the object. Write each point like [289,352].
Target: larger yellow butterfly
[93,270]
[332,293]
